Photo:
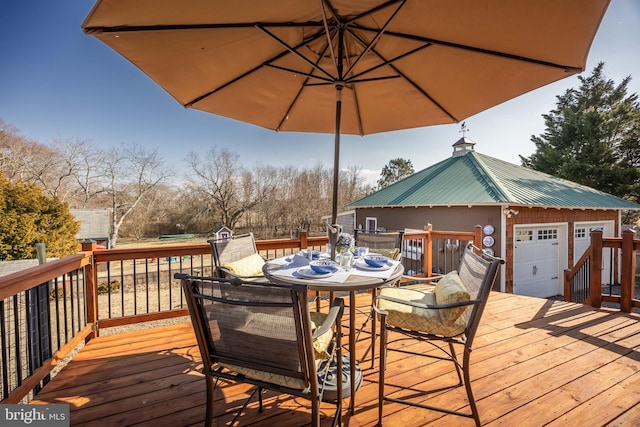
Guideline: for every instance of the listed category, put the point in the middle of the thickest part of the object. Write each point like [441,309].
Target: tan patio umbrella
[352,67]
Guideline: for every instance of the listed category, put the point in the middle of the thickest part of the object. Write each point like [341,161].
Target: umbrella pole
[334,229]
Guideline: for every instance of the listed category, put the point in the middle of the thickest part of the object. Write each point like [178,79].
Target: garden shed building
[222,232]
[537,223]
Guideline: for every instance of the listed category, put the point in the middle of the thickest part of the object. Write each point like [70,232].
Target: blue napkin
[323,269]
[375,263]
[298,261]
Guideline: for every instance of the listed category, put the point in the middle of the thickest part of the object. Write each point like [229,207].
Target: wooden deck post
[627,272]
[595,272]
[303,239]
[91,288]
[428,251]
[477,237]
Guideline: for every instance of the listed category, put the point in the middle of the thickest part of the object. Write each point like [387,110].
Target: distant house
[95,224]
[538,223]
[222,233]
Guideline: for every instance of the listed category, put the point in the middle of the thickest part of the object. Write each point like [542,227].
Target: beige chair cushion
[448,290]
[417,319]
[247,266]
[320,345]
[269,377]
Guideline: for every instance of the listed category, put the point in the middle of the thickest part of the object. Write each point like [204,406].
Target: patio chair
[264,335]
[443,314]
[383,243]
[387,243]
[237,257]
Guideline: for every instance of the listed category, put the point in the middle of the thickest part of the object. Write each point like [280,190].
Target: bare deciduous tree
[89,176]
[16,153]
[133,173]
[270,201]
[227,189]
[69,169]
[61,169]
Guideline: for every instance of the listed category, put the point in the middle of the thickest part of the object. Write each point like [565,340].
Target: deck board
[535,362]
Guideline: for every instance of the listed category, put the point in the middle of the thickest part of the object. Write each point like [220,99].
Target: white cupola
[462,146]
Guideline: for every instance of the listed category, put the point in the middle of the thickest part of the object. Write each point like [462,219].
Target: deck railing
[136,284]
[430,251]
[43,314]
[47,311]
[605,272]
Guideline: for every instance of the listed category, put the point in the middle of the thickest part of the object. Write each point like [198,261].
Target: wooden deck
[536,362]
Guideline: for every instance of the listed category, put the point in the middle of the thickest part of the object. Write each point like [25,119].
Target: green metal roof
[476,179]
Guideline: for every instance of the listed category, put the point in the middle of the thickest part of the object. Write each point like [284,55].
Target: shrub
[103,288]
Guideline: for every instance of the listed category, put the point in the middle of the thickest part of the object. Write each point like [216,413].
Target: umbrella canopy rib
[375,38]
[266,63]
[294,51]
[95,30]
[389,62]
[371,11]
[568,68]
[320,24]
[297,96]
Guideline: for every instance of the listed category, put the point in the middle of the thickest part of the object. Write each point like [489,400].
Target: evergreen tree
[592,137]
[28,217]
[394,171]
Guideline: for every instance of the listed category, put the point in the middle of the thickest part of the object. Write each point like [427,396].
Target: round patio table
[354,282]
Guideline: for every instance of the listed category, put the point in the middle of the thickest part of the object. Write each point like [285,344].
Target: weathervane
[463,129]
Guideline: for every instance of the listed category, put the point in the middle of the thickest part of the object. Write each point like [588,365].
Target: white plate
[308,273]
[363,265]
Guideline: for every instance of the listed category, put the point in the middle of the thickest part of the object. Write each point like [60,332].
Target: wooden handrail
[120,254]
[570,273]
[13,284]
[428,235]
[627,246]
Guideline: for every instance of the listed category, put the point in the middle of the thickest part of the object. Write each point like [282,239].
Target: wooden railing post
[595,273]
[91,283]
[627,272]
[567,285]
[477,236]
[428,251]
[303,239]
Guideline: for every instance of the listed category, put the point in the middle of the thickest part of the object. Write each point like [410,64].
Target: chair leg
[371,316]
[382,367]
[374,293]
[467,386]
[210,397]
[315,412]
[461,369]
[454,358]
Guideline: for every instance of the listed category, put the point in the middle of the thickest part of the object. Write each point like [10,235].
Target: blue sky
[57,83]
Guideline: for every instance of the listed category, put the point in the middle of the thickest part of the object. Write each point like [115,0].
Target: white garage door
[535,262]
